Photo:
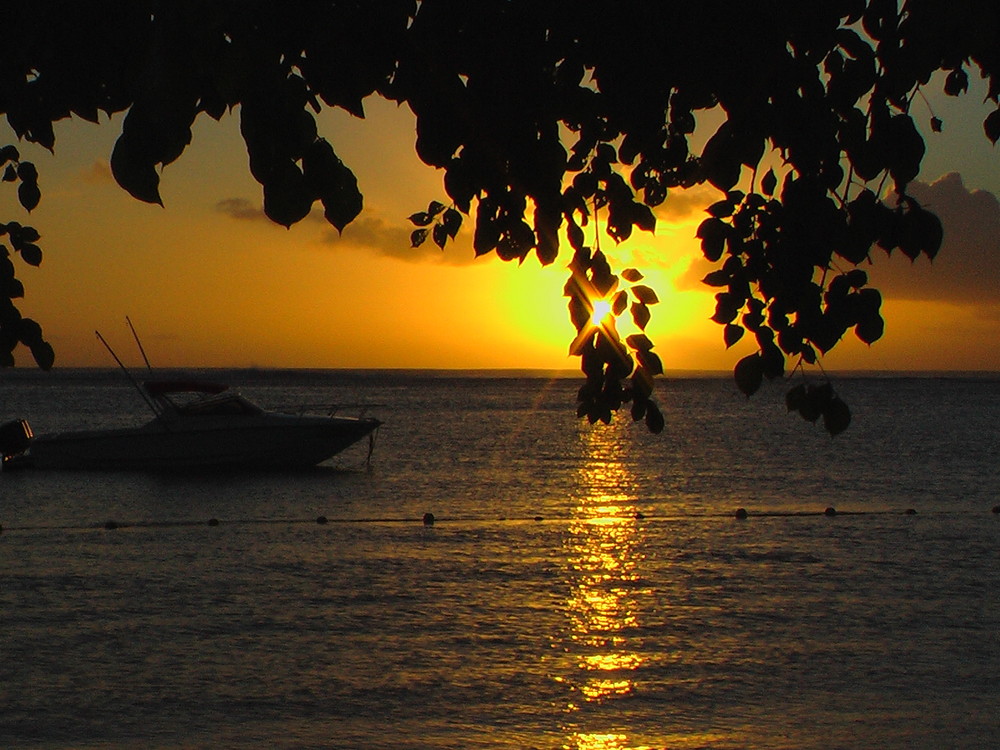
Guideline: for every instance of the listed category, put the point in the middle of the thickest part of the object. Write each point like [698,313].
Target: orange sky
[209,282]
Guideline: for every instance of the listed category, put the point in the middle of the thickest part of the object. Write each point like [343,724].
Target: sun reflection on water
[604,551]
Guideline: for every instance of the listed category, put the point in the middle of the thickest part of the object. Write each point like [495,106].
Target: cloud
[98,173]
[368,232]
[967,269]
[965,272]
[684,204]
[240,208]
[393,240]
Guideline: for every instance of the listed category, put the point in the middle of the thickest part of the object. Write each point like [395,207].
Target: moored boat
[196,424]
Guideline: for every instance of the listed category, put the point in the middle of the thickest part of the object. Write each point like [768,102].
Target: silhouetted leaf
[643,217]
[716,278]
[421,219]
[645,295]
[768,183]
[772,360]
[631,275]
[330,180]
[601,276]
[287,197]
[654,418]
[619,303]
[936,124]
[640,315]
[933,233]
[749,374]
[28,234]
[905,149]
[639,342]
[452,222]
[836,416]
[856,278]
[957,82]
[726,308]
[870,329]
[32,254]
[440,235]
[547,222]
[134,171]
[575,234]
[992,126]
[26,172]
[713,232]
[44,355]
[639,407]
[417,237]
[795,397]
[721,209]
[731,334]
[10,173]
[650,361]
[870,325]
[29,195]
[726,152]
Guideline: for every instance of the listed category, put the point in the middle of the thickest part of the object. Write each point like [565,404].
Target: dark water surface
[582,588]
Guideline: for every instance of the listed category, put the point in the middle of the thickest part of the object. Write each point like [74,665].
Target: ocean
[581,587]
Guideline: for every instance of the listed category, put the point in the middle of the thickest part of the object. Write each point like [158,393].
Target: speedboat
[196,424]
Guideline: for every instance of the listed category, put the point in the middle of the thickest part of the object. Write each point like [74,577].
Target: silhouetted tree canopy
[543,116]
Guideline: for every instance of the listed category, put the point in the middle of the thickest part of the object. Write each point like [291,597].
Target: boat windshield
[229,403]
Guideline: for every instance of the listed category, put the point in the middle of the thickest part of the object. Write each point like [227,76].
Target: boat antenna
[138,343]
[138,387]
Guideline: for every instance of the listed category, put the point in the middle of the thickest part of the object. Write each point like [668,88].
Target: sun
[602,309]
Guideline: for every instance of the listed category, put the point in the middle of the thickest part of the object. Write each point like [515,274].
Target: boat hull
[267,441]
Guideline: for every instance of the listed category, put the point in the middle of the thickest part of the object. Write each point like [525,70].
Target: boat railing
[330,410]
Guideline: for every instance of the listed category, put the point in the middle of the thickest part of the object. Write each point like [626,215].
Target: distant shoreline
[230,373]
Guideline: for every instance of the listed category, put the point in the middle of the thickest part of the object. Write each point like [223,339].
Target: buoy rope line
[430,519]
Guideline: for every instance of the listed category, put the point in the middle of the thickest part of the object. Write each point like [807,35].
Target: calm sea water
[582,587]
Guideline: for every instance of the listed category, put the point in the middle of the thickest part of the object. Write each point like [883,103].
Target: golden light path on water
[604,550]
[612,596]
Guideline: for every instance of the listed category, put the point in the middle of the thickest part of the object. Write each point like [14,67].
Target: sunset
[210,282]
[567,375]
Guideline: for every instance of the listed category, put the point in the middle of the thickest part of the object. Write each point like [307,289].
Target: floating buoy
[639,516]
[110,525]
[741,513]
[321,520]
[539,518]
[428,519]
[996,509]
[911,512]
[213,521]
[830,512]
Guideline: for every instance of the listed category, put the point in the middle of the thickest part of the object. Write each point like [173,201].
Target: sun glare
[602,309]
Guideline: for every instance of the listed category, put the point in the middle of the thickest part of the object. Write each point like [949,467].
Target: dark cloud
[240,208]
[682,204]
[369,232]
[393,240]
[967,269]
[98,173]
[965,272]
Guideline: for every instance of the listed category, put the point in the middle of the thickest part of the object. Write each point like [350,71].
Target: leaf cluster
[15,329]
[617,371]
[440,222]
[543,116]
